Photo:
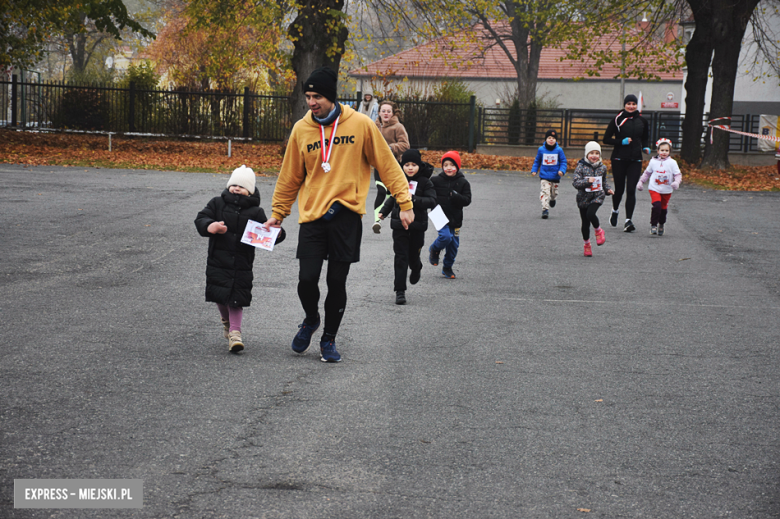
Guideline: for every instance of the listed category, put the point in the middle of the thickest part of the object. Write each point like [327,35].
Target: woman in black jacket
[629,134]
[229,265]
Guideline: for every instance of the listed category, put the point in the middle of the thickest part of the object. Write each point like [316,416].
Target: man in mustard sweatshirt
[327,168]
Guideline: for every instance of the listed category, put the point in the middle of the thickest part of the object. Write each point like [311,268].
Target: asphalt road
[642,382]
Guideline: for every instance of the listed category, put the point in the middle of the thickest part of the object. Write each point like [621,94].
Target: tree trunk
[698,55]
[526,85]
[315,45]
[729,23]
[78,52]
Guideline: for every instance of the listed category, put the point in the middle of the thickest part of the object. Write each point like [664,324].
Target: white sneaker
[377,227]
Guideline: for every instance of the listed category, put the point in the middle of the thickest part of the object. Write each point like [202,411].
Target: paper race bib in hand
[256,235]
[595,186]
[412,186]
[438,217]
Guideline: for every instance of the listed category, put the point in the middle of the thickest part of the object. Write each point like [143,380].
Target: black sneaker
[414,277]
[448,273]
[613,218]
[302,339]
[400,297]
[545,214]
[660,229]
[433,257]
[629,226]
[552,203]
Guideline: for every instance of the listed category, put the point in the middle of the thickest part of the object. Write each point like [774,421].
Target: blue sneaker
[448,273]
[433,257]
[302,339]
[328,351]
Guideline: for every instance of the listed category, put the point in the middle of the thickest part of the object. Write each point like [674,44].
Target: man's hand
[380,216]
[272,222]
[407,217]
[217,228]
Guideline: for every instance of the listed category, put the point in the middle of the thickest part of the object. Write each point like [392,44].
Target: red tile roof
[454,57]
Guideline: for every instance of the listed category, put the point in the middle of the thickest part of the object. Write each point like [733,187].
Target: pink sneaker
[588,250]
[600,236]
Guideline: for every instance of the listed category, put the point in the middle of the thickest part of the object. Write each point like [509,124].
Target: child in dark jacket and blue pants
[229,265]
[550,163]
[453,193]
[407,243]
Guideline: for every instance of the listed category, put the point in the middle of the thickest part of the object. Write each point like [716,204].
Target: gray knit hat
[243,177]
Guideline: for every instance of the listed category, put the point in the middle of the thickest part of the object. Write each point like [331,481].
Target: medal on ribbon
[326,156]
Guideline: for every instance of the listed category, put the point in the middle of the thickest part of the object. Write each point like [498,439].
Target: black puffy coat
[423,199]
[229,265]
[453,194]
[636,127]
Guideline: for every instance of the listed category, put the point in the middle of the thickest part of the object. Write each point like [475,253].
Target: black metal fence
[577,127]
[267,118]
[100,108]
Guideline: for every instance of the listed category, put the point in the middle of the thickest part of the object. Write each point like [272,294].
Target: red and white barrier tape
[727,127]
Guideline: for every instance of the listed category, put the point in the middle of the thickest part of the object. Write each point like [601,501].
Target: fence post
[359,95]
[472,113]
[14,94]
[131,111]
[746,128]
[246,112]
[566,139]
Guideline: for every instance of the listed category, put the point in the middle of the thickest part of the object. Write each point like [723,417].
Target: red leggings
[660,204]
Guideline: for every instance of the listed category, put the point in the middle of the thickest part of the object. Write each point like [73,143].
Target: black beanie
[549,133]
[322,81]
[412,156]
[630,98]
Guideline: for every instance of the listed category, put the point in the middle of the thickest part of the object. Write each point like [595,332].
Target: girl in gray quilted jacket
[590,180]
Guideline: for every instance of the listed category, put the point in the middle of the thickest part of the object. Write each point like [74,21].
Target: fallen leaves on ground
[72,149]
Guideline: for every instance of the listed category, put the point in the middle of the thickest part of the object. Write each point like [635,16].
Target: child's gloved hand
[217,228]
[675,185]
[639,186]
[646,150]
[453,193]
[626,141]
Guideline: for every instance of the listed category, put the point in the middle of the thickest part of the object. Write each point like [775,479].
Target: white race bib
[412,186]
[550,159]
[595,186]
[663,178]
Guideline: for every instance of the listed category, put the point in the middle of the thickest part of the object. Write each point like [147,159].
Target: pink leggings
[234,315]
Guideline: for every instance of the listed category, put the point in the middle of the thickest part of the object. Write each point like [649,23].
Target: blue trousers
[448,241]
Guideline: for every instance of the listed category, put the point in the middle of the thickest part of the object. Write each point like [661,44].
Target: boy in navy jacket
[550,163]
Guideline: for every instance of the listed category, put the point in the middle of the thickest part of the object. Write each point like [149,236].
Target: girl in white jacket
[665,177]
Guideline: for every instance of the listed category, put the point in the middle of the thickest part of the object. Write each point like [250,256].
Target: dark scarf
[550,148]
[330,118]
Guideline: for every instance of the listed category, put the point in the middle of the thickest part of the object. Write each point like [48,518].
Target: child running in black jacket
[590,180]
[407,244]
[229,265]
[453,193]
